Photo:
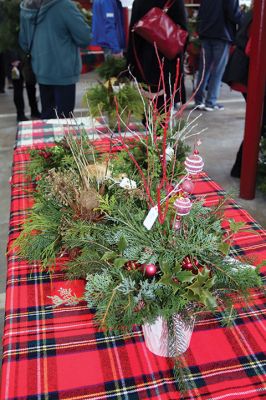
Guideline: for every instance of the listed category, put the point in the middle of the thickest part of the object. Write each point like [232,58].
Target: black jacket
[217,19]
[237,67]
[145,51]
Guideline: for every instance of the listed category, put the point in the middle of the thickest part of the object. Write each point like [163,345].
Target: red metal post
[255,99]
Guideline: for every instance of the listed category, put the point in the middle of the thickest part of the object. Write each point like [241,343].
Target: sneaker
[216,107]
[200,106]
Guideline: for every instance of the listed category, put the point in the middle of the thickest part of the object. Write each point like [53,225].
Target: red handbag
[157,27]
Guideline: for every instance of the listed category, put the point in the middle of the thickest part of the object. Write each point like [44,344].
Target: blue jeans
[57,97]
[216,54]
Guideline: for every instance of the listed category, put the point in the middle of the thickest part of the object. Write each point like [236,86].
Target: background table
[58,353]
[45,132]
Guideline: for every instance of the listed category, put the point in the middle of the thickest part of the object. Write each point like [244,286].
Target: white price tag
[151,218]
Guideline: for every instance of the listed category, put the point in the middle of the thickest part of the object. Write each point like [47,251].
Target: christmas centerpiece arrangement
[151,252]
[114,95]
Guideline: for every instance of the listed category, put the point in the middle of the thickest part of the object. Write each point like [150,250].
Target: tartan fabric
[58,353]
[41,133]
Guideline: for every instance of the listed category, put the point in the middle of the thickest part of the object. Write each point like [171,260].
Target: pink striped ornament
[183,206]
[194,164]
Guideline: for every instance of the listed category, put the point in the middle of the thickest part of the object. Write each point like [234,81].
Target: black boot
[22,117]
[35,114]
[236,169]
[18,99]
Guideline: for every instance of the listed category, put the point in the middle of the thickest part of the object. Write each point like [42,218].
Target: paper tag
[151,218]
[110,15]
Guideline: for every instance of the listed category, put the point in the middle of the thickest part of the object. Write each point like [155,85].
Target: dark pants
[57,100]
[2,72]
[19,99]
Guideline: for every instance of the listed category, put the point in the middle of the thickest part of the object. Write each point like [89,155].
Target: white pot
[162,343]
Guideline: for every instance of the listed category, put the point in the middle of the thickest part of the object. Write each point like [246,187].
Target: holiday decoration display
[152,253]
[114,95]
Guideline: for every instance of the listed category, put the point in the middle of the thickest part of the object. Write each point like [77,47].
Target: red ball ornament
[149,270]
[190,265]
[177,225]
[194,164]
[187,264]
[187,186]
[169,188]
[183,205]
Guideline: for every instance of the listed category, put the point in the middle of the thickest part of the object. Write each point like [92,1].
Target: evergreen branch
[108,306]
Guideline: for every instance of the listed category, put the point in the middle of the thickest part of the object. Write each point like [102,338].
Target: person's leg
[31,92]
[2,73]
[236,169]
[263,127]
[205,67]
[220,57]
[65,99]
[18,98]
[48,101]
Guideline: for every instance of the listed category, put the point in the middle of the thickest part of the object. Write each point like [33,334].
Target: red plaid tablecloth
[41,133]
[57,353]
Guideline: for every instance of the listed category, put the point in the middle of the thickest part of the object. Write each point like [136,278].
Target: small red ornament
[177,225]
[187,264]
[149,270]
[169,188]
[132,265]
[190,265]
[187,186]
